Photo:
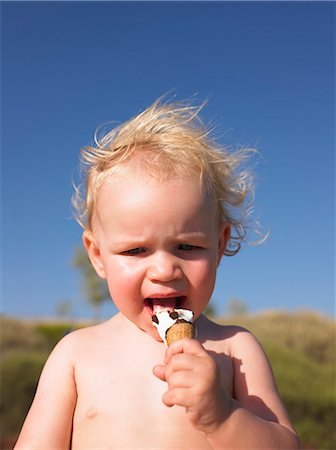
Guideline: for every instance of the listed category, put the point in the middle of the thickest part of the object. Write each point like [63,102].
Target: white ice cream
[162,320]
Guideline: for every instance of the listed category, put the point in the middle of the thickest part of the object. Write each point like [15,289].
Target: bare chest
[120,406]
[124,409]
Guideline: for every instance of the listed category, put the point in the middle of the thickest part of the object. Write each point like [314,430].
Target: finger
[180,379]
[177,396]
[160,371]
[181,362]
[185,345]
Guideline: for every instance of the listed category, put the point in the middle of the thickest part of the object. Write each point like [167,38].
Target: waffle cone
[180,331]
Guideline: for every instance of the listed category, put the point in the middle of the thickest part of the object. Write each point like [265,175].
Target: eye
[187,247]
[134,251]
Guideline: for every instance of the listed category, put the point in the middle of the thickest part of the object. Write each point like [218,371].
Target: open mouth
[161,304]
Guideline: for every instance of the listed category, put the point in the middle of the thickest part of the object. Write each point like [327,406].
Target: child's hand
[193,382]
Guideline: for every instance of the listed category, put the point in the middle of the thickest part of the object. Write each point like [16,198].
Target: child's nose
[164,267]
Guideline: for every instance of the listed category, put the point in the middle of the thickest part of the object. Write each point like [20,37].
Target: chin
[155,335]
[152,332]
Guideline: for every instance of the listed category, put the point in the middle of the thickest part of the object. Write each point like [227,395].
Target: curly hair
[171,140]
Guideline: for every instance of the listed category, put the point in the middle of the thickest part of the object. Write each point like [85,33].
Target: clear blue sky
[268,68]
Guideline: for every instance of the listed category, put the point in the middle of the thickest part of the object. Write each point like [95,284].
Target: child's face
[157,240]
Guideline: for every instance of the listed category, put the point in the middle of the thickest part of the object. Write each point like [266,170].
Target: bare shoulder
[228,337]
[68,350]
[93,340]
[82,335]
[240,344]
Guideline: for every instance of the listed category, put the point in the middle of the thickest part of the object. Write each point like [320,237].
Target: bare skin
[101,378]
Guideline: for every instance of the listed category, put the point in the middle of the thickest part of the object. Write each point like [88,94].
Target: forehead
[133,193]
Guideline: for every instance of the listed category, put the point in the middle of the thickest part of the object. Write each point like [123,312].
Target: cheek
[203,272]
[202,279]
[122,280]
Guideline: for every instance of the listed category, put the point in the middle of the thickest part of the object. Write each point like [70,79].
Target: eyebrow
[142,242]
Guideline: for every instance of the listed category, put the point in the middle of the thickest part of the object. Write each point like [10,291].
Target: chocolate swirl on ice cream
[175,324]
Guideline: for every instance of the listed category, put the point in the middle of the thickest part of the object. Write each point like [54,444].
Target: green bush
[306,387]
[52,333]
[20,371]
[24,350]
[16,334]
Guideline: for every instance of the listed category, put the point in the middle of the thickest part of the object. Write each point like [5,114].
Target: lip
[180,301]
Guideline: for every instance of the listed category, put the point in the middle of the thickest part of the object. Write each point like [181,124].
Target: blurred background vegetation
[301,347]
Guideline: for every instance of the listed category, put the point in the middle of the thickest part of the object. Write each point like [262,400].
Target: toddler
[162,205]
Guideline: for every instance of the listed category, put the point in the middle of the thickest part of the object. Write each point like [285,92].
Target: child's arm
[257,417]
[49,421]
[254,418]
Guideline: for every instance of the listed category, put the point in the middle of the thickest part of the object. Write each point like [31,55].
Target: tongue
[163,304]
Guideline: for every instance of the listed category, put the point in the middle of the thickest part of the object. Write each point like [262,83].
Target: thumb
[160,371]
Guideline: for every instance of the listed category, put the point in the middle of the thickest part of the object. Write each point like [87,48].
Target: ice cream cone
[179,331]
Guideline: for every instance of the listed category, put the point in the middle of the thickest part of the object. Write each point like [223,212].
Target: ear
[223,239]
[93,251]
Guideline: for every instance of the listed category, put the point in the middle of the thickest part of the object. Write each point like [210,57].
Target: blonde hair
[172,140]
